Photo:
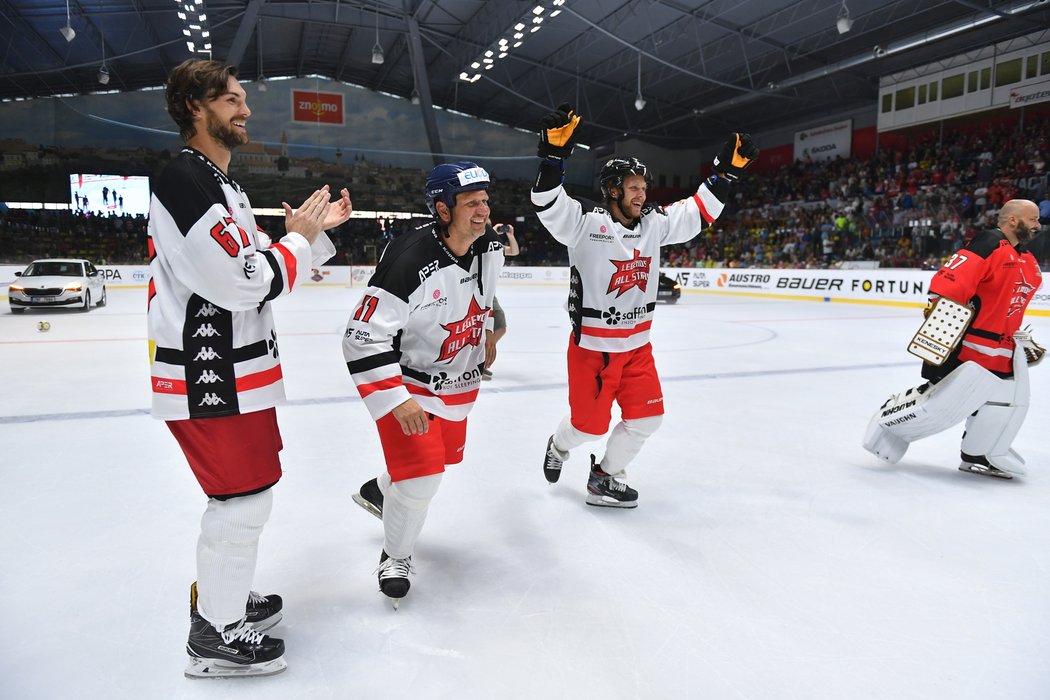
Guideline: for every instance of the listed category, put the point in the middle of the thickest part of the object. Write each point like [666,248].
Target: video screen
[109,195]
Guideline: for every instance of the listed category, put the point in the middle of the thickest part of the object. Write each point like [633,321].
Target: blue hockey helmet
[446,181]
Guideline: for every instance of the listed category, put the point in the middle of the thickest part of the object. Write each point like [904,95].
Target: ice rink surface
[771,557]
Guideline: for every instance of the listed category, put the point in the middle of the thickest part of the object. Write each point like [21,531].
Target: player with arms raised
[614,254]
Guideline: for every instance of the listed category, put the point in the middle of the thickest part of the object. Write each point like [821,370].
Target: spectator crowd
[909,206]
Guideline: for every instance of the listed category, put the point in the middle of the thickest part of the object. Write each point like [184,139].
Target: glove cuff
[546,150]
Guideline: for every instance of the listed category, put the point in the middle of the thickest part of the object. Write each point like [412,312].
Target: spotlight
[262,84]
[103,75]
[844,22]
[639,103]
[67,31]
[377,54]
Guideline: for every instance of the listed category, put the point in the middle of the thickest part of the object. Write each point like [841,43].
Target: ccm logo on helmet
[473,175]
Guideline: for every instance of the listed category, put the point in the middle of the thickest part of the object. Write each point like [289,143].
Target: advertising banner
[1030,94]
[824,142]
[885,287]
[318,107]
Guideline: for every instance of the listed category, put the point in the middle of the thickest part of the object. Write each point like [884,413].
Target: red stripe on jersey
[381,385]
[703,210]
[259,379]
[164,385]
[448,399]
[150,292]
[616,332]
[289,263]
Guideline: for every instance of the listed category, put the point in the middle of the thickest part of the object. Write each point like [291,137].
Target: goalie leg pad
[405,508]
[928,409]
[991,431]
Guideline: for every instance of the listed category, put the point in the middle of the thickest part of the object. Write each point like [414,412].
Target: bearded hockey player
[976,370]
[614,254]
[214,363]
[415,347]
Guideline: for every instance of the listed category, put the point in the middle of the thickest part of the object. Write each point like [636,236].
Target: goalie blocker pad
[941,332]
[929,409]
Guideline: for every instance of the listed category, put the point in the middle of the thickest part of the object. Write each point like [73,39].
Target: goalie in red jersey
[983,375]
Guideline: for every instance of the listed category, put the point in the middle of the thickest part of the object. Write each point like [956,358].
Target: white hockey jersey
[614,270]
[212,343]
[419,329]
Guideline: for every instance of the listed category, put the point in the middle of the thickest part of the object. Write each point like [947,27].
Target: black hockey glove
[558,133]
[737,153]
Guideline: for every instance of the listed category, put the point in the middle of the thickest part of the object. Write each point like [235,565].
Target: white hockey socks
[226,555]
[568,438]
[625,442]
[405,505]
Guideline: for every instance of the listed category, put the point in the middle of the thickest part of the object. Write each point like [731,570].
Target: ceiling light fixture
[844,22]
[67,31]
[377,50]
[530,22]
[103,72]
[414,97]
[639,101]
[259,44]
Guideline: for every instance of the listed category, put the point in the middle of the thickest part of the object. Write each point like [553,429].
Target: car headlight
[677,286]
[16,288]
[73,287]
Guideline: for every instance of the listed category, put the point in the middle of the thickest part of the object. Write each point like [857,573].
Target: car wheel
[87,301]
[16,310]
[102,300]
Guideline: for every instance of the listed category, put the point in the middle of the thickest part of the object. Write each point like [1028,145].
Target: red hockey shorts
[413,456]
[232,455]
[596,379]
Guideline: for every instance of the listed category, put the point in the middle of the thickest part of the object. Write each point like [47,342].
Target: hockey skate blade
[215,668]
[982,470]
[367,506]
[603,502]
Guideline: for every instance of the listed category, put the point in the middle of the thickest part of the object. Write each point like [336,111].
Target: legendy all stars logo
[463,333]
[629,273]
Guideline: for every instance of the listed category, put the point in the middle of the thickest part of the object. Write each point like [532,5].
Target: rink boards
[887,287]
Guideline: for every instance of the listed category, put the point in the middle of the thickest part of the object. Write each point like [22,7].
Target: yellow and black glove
[737,153]
[558,133]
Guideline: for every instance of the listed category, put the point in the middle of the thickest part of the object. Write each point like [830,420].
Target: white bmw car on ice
[57,283]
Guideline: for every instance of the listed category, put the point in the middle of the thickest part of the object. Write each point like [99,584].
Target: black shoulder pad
[986,242]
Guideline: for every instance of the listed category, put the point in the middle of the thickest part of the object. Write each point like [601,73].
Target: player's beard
[1023,232]
[225,133]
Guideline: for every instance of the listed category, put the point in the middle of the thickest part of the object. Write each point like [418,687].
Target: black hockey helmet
[615,170]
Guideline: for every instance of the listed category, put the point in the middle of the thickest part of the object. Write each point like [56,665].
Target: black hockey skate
[552,462]
[239,650]
[370,498]
[393,577]
[262,611]
[604,490]
[977,464]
